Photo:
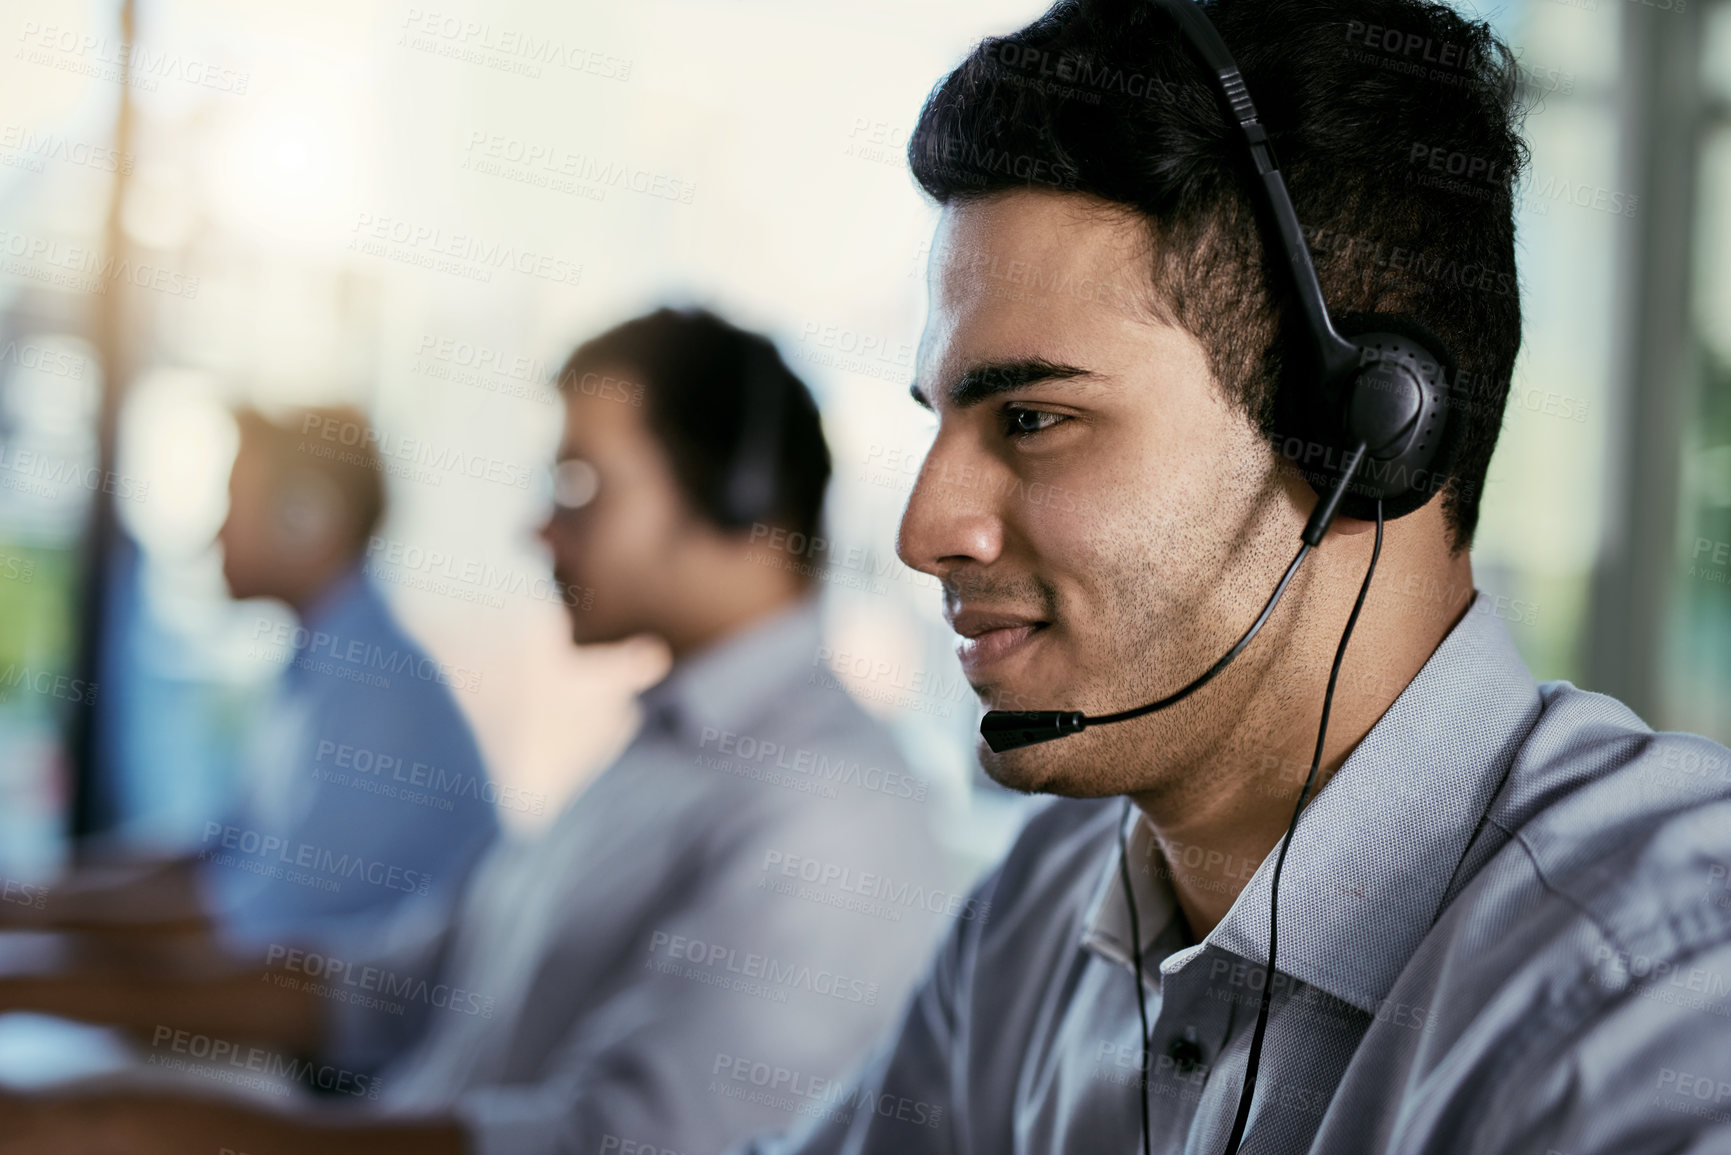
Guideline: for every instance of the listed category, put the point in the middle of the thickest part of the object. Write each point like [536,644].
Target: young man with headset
[1494,912]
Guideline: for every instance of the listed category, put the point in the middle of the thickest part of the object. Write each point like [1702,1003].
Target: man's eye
[1022,421]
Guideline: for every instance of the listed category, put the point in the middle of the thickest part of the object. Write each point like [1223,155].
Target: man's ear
[1351,526]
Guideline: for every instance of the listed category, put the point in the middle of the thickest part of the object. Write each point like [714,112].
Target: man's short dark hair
[694,372]
[1396,126]
[332,442]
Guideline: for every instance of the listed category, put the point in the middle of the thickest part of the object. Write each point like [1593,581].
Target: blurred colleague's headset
[748,495]
[1380,393]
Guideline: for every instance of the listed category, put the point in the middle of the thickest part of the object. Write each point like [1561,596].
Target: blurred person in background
[365,788]
[713,932]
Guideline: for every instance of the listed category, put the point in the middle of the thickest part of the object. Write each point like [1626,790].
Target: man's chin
[1047,768]
[1060,766]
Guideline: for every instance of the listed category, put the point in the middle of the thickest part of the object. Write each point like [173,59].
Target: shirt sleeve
[694,1056]
[410,947]
[1649,1072]
[911,1098]
[904,1105]
[394,805]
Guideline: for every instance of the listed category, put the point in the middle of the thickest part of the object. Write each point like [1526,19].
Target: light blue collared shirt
[1505,929]
[367,789]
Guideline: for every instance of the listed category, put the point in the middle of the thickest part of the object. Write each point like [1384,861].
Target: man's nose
[952,517]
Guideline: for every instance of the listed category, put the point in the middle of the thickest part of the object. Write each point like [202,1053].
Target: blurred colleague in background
[749,890]
[323,842]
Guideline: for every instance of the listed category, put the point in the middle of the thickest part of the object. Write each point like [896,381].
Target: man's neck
[1213,840]
[309,591]
[702,632]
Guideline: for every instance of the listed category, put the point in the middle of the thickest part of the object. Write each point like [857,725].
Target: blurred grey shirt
[1505,927]
[740,904]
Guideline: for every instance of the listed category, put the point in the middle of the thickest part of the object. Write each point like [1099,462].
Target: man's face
[617,553]
[1104,523]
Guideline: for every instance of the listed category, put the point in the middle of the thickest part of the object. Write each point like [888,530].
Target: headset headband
[1336,357]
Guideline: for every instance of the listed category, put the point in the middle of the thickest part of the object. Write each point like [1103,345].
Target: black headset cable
[1251,1064]
[1136,954]
[1254,1061]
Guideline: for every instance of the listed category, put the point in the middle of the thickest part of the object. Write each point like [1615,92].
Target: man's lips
[989,638]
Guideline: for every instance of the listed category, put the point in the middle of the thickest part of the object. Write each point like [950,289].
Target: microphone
[1012,729]
[1008,729]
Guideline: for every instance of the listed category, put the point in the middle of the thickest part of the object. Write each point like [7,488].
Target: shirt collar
[1375,852]
[1106,926]
[733,682]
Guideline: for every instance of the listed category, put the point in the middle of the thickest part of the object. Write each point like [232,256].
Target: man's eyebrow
[986,381]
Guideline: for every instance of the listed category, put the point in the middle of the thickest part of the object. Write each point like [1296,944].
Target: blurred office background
[419,210]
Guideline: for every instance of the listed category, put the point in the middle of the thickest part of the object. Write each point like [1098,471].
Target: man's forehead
[1029,275]
[592,420]
[1037,240]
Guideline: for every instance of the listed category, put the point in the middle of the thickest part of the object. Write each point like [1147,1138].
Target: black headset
[748,492]
[1371,434]
[1384,386]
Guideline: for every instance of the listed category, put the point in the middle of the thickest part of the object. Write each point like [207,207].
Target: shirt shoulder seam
[1519,838]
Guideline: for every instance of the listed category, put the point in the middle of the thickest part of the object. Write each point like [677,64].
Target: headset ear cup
[1397,352]
[1408,483]
[749,491]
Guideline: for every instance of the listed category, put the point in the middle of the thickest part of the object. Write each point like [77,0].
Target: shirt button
[1186,1054]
